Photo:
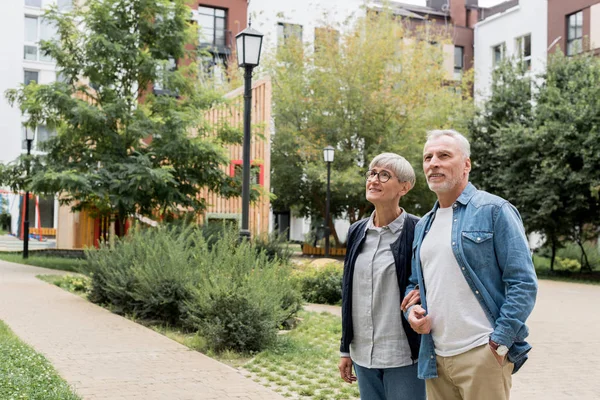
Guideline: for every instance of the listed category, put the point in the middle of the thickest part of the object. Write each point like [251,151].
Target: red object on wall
[261,172]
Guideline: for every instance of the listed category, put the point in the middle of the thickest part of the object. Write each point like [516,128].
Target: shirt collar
[394,226]
[464,198]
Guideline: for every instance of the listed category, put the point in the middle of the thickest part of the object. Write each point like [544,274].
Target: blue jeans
[390,383]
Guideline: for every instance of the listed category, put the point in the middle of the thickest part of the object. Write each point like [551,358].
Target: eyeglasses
[383,176]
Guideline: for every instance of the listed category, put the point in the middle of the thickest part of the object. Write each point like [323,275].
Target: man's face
[445,165]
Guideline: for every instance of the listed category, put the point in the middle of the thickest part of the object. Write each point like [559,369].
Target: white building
[511,29]
[22,27]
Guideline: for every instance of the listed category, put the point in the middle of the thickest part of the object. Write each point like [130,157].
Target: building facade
[574,26]
[516,29]
[21,62]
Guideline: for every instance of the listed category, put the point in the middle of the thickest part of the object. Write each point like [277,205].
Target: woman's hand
[346,370]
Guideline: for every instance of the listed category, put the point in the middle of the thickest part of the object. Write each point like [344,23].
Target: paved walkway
[105,356]
[11,243]
[564,363]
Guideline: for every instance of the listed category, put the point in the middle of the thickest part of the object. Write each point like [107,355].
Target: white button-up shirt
[379,339]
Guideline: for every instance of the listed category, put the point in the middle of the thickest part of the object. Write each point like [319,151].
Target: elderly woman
[376,338]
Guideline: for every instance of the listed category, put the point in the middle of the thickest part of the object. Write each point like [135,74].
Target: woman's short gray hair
[397,164]
[463,143]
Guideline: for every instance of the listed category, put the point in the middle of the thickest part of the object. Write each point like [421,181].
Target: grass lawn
[60,263]
[304,361]
[25,374]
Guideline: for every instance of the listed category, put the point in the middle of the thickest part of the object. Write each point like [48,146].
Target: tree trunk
[120,222]
[553,256]
[584,261]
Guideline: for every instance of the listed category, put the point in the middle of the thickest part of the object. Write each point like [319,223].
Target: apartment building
[574,26]
[516,29]
[21,62]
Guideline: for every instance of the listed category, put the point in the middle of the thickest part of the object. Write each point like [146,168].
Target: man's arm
[518,276]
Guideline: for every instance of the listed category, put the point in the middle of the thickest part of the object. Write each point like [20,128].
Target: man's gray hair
[463,143]
[397,164]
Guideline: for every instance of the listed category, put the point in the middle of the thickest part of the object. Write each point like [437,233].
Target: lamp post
[328,153]
[248,45]
[29,136]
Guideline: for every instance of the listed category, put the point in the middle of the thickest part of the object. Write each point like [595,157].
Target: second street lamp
[29,136]
[328,153]
[248,45]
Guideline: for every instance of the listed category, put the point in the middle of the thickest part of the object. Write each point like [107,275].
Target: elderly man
[476,281]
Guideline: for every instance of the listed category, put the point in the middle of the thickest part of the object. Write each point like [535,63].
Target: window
[64,5]
[523,45]
[162,76]
[498,54]
[287,31]
[459,66]
[42,134]
[33,3]
[575,33]
[256,172]
[36,29]
[29,76]
[212,26]
[326,39]
[212,70]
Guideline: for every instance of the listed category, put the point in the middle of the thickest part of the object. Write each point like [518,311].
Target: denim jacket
[490,246]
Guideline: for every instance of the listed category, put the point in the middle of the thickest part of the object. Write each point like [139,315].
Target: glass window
[575,33]
[287,31]
[459,53]
[212,25]
[64,5]
[30,53]
[31,29]
[29,76]
[33,3]
[523,46]
[498,53]
[326,39]
[47,32]
[42,134]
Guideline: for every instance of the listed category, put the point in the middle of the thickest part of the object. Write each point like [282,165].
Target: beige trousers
[474,375]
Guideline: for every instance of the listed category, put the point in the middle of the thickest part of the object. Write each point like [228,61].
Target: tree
[545,159]
[376,88]
[121,148]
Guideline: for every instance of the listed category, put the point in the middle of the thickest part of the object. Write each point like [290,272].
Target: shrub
[233,322]
[173,275]
[258,289]
[323,285]
[274,246]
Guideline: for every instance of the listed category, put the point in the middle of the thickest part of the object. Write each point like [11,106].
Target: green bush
[231,292]
[571,250]
[322,285]
[274,246]
[259,290]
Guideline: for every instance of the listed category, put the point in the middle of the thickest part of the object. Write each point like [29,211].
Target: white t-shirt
[459,324]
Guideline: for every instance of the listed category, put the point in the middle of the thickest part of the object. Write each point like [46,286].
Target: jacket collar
[464,198]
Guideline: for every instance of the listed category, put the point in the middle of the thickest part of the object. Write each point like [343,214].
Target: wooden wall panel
[233,114]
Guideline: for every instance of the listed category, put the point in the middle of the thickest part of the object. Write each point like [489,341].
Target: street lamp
[328,153]
[248,45]
[29,136]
